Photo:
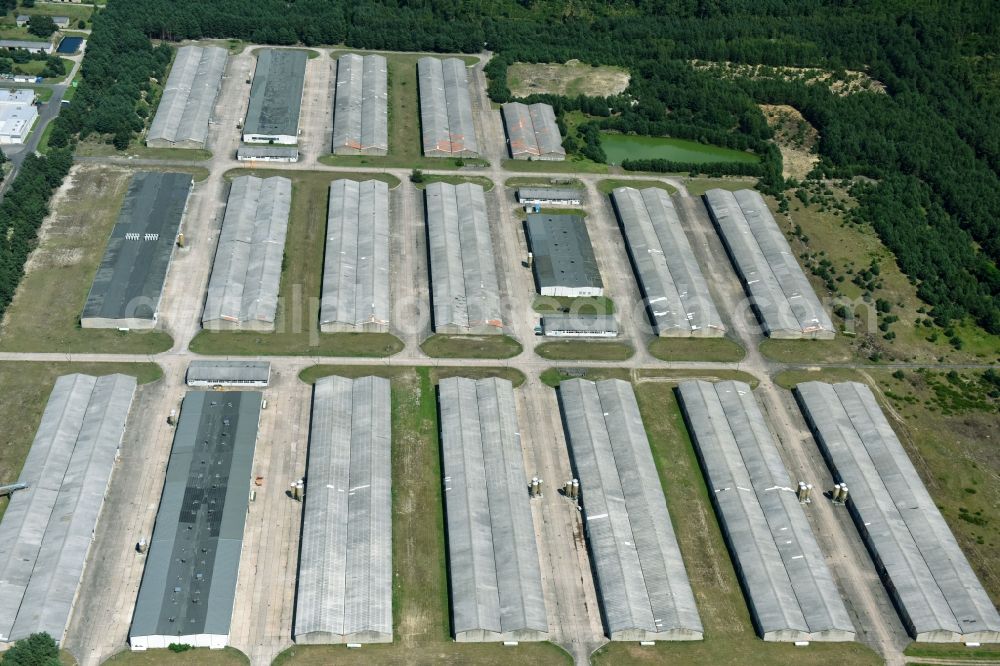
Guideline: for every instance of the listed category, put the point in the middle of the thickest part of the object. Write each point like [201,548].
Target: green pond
[620,147]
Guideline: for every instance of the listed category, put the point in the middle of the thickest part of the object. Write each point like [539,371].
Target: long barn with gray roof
[676,295]
[446,123]
[496,585]
[276,97]
[360,111]
[465,293]
[48,526]
[935,590]
[641,582]
[782,297]
[129,282]
[532,132]
[356,267]
[188,98]
[243,290]
[189,583]
[345,566]
[789,589]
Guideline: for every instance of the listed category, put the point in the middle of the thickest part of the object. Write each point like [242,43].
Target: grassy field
[25,387]
[951,651]
[297,321]
[570,165]
[608,185]
[9,29]
[729,634]
[946,422]
[588,350]
[595,305]
[96,147]
[405,149]
[471,346]
[621,147]
[571,78]
[696,349]
[848,250]
[553,376]
[429,178]
[45,313]
[838,350]
[194,657]
[698,186]
[312,373]
[420,589]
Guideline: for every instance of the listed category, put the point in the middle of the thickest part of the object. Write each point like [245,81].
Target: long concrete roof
[48,527]
[496,586]
[129,281]
[464,287]
[189,582]
[677,298]
[446,108]
[223,371]
[784,299]
[189,96]
[276,93]
[532,131]
[356,265]
[247,271]
[345,566]
[360,116]
[935,589]
[790,591]
[641,581]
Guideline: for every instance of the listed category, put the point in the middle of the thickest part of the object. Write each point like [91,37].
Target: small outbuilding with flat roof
[563,259]
[266,153]
[189,583]
[248,374]
[276,97]
[550,196]
[573,325]
[129,282]
[496,583]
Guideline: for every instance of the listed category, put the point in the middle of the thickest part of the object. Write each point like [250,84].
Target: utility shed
[265,153]
[563,258]
[188,98]
[532,132]
[188,586]
[446,123]
[356,266]
[251,374]
[129,282]
[789,589]
[465,294]
[496,584]
[48,527]
[552,196]
[782,297]
[678,302]
[641,582]
[929,579]
[275,97]
[243,290]
[569,325]
[345,567]
[360,111]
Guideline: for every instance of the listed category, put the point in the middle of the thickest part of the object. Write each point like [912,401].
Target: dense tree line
[932,144]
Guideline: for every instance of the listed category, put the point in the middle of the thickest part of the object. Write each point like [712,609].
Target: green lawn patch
[696,349]
[96,147]
[471,346]
[534,181]
[587,350]
[610,184]
[620,147]
[698,186]
[200,656]
[429,178]
[585,305]
[253,343]
[989,652]
[575,165]
[807,352]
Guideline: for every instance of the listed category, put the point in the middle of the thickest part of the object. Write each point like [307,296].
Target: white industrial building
[17,115]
